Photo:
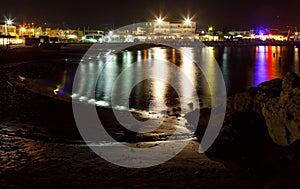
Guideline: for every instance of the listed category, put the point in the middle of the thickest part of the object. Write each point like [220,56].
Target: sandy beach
[41,147]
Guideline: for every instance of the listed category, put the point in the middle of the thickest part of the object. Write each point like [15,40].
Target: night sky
[222,14]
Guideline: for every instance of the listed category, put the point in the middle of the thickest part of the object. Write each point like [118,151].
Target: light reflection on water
[150,92]
[242,67]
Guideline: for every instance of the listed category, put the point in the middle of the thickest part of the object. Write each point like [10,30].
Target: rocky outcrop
[261,129]
[278,101]
[282,113]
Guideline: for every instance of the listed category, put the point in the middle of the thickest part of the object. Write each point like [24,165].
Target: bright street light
[159,20]
[9,22]
[187,21]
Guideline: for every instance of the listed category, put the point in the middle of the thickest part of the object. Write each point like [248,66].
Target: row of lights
[187,21]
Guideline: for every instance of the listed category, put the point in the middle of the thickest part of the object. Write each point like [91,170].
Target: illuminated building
[174,28]
[6,29]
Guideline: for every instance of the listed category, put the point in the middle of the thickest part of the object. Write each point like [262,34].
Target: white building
[174,28]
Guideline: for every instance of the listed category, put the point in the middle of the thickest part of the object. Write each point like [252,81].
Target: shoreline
[34,154]
[250,43]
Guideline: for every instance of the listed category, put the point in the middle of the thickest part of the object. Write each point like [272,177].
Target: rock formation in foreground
[261,130]
[278,101]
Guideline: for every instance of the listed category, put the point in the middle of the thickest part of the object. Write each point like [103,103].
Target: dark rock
[290,81]
[272,87]
[191,105]
[261,130]
[240,102]
[242,133]
[282,115]
[197,123]
[244,142]
[253,91]
[278,101]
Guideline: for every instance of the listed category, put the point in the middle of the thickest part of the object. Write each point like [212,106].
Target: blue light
[261,31]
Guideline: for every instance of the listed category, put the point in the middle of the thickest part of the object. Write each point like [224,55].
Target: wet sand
[41,147]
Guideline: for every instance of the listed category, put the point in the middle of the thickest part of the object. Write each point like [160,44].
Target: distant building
[8,30]
[174,28]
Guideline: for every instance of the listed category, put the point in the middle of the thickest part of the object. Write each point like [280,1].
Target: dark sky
[223,14]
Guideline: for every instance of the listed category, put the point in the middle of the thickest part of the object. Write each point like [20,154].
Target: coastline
[41,146]
[34,156]
[250,43]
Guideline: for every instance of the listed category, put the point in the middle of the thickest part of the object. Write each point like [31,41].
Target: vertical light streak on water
[187,82]
[274,56]
[145,54]
[260,69]
[208,66]
[125,83]
[174,56]
[296,60]
[149,56]
[139,56]
[225,64]
[110,73]
[270,63]
[160,68]
[91,79]
[137,93]
[80,87]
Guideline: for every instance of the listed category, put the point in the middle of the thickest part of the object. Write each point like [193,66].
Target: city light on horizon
[237,16]
[159,20]
[187,21]
[9,22]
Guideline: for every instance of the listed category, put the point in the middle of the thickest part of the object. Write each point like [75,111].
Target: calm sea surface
[160,76]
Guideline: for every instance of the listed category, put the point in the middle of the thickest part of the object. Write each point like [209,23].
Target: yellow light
[55,91]
[23,29]
[16,41]
[210,28]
